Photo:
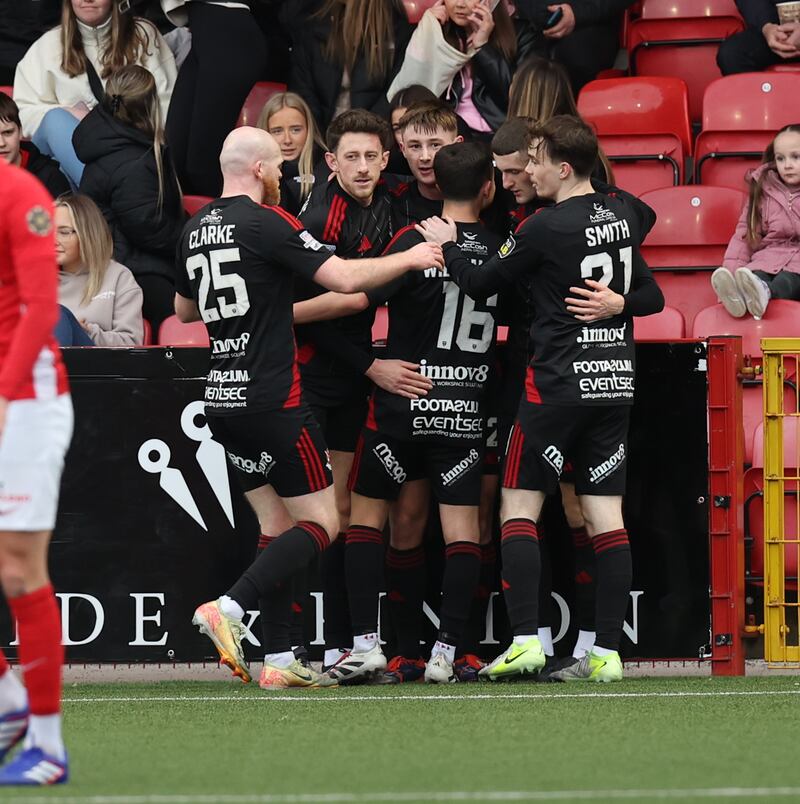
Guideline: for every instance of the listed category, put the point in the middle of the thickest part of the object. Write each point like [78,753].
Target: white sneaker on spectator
[754,291]
[727,291]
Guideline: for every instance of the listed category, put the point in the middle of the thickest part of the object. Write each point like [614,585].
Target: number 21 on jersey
[211,277]
[606,262]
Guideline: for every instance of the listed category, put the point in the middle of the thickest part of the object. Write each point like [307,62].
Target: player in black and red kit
[439,436]
[237,261]
[35,431]
[350,215]
[581,261]
[510,152]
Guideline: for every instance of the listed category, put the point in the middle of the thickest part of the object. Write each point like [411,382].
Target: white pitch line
[311,697]
[366,798]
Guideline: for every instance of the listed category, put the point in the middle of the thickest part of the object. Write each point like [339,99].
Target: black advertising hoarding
[151,524]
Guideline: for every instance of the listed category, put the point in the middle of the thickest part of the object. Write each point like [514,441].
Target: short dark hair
[462,169]
[568,139]
[9,111]
[357,121]
[512,137]
[428,117]
[409,96]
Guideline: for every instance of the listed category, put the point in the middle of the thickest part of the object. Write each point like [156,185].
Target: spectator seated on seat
[763,258]
[466,53]
[101,302]
[61,76]
[764,42]
[287,117]
[26,154]
[129,174]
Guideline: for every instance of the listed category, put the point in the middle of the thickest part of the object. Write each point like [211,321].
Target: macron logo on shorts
[390,463]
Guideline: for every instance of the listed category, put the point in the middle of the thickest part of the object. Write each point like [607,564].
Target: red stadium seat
[784,67]
[782,320]
[193,203]
[147,333]
[753,411]
[681,38]
[261,92]
[643,126]
[692,231]
[175,333]
[668,325]
[7,90]
[380,326]
[416,8]
[741,114]
[693,226]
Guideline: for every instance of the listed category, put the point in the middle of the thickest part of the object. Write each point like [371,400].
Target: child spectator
[333,70]
[398,106]
[465,52]
[25,154]
[287,117]
[130,176]
[228,55]
[763,258]
[61,76]
[101,296]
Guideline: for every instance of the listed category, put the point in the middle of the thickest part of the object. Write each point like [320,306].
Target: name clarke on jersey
[212,236]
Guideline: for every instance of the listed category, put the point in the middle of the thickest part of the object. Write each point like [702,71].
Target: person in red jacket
[35,431]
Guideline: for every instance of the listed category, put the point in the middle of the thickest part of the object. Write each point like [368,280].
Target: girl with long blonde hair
[287,117]
[101,295]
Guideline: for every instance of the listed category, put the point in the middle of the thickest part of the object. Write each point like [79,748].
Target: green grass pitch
[640,740]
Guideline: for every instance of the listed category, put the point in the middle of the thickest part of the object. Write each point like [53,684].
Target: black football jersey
[585,237]
[409,206]
[452,336]
[335,354]
[237,259]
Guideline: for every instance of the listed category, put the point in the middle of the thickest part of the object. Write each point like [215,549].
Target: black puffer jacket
[122,178]
[319,82]
[45,169]
[492,74]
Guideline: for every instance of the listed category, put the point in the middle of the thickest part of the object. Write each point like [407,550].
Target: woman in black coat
[332,72]
[131,178]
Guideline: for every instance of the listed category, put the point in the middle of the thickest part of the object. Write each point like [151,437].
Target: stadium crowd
[438,169]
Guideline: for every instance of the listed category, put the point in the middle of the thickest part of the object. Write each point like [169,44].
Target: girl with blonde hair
[287,117]
[129,174]
[61,77]
[100,294]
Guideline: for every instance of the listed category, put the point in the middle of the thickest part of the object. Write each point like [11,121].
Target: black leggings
[227,57]
[159,299]
[783,285]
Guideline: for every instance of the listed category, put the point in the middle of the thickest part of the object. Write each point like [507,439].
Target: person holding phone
[466,52]
[583,35]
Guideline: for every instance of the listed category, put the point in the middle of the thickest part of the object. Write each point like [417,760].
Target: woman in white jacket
[101,302]
[52,85]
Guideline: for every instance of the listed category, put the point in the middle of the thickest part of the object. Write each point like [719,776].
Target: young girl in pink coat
[763,258]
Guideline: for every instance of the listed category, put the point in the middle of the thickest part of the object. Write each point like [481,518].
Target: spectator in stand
[22,22]
[129,174]
[466,51]
[585,37]
[333,71]
[541,90]
[764,42]
[26,154]
[101,304]
[227,57]
[763,258]
[61,76]
[287,117]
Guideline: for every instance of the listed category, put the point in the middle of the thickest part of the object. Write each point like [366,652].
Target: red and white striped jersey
[30,360]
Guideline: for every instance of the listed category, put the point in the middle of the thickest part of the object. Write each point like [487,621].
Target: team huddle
[332,442]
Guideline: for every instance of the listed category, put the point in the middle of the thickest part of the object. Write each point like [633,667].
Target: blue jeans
[54,138]
[68,332]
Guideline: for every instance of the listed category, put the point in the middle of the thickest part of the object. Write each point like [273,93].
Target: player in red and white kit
[35,431]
